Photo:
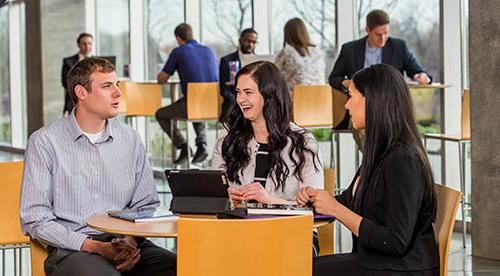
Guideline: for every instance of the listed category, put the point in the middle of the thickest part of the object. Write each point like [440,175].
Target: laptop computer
[198,191]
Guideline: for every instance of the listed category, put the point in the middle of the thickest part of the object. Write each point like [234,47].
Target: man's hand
[421,78]
[128,253]
[346,83]
[162,77]
[105,249]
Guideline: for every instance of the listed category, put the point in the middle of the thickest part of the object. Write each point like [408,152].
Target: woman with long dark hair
[391,204]
[300,61]
[266,157]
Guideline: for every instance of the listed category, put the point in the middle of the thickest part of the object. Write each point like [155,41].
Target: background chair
[313,108]
[38,256]
[142,99]
[462,140]
[325,233]
[274,246]
[11,235]
[203,104]
[447,206]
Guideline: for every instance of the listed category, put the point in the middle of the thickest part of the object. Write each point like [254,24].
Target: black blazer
[224,72]
[68,62]
[396,232]
[352,59]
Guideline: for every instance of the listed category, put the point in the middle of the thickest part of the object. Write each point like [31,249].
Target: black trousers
[347,264]
[154,261]
[178,109]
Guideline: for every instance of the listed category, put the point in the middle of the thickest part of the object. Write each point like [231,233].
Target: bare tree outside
[162,18]
[113,32]
[222,23]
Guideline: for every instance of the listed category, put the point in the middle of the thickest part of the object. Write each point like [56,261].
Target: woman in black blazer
[391,204]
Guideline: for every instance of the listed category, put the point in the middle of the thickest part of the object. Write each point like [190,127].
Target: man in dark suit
[247,41]
[84,43]
[375,47]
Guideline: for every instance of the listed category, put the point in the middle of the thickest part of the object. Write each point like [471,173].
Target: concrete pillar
[484,49]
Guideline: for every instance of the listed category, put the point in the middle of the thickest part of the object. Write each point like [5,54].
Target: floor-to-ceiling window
[5,118]
[162,16]
[222,22]
[113,33]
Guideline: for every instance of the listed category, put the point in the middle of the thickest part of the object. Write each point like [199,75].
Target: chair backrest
[447,206]
[123,99]
[11,174]
[273,246]
[312,105]
[203,101]
[466,114]
[38,256]
[339,101]
[143,99]
[325,233]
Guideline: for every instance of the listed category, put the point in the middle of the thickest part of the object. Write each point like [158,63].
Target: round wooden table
[156,229]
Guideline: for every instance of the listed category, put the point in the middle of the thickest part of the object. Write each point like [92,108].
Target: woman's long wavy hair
[277,114]
[296,35]
[390,122]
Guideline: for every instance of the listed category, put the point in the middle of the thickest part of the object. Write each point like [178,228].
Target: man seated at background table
[247,43]
[86,164]
[194,63]
[376,47]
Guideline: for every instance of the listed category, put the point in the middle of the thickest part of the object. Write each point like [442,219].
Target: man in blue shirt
[194,63]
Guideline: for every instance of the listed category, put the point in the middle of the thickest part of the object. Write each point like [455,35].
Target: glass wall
[5,118]
[113,32]
[319,17]
[162,18]
[222,22]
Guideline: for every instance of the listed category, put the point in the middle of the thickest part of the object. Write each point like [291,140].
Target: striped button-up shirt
[68,179]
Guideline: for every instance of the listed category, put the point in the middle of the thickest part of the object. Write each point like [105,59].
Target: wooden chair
[142,99]
[313,106]
[462,140]
[325,233]
[203,104]
[11,235]
[38,256]
[447,206]
[274,246]
[122,85]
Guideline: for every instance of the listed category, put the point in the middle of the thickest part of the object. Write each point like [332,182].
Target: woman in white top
[266,157]
[300,61]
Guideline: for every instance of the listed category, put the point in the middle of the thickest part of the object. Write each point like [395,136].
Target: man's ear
[80,92]
[367,30]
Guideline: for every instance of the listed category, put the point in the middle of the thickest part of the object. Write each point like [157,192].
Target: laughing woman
[266,157]
[390,205]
